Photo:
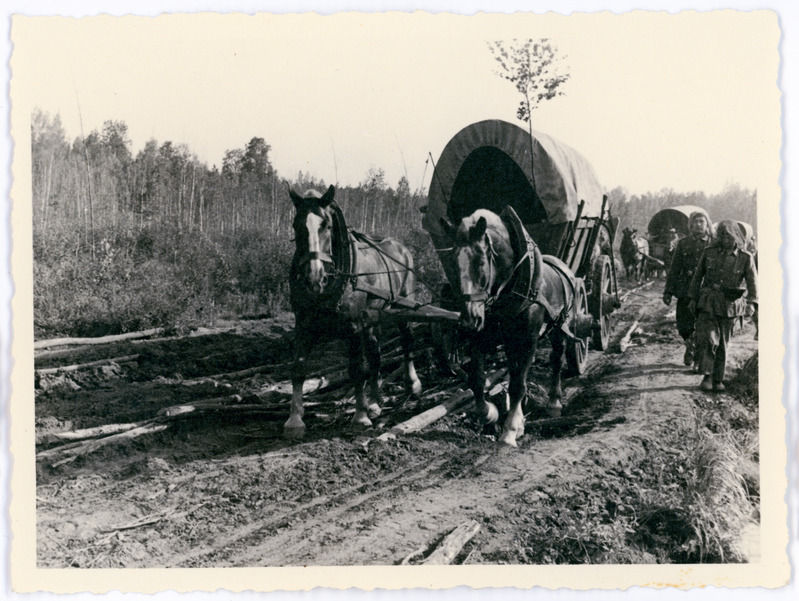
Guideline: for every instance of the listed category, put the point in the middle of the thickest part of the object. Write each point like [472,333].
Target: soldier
[678,279]
[725,272]
[672,238]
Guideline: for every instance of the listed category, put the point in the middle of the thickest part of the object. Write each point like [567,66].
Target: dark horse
[341,280]
[487,265]
[634,253]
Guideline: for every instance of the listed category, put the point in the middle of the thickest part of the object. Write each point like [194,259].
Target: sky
[652,103]
[634,98]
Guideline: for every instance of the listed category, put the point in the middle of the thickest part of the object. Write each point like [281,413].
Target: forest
[124,242]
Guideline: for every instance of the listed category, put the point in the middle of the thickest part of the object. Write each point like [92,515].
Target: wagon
[551,187]
[676,218]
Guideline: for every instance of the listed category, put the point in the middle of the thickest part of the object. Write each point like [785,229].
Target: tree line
[110,225]
[126,241]
[636,210]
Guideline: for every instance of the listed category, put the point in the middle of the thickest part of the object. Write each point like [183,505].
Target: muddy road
[629,474]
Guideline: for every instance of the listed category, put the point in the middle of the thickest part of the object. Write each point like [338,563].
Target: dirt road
[622,477]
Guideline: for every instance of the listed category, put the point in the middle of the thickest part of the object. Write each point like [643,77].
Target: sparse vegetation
[125,242]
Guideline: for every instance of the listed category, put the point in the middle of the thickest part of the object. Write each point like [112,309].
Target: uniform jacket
[683,265]
[721,279]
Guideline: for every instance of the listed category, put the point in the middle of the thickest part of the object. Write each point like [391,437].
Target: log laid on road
[624,343]
[85,433]
[449,548]
[102,340]
[636,289]
[426,418]
[54,370]
[92,445]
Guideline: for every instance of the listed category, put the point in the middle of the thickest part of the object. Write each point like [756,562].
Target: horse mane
[493,221]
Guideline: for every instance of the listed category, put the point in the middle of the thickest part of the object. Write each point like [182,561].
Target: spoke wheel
[577,350]
[601,291]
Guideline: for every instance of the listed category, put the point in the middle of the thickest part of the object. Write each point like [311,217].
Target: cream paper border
[771,571]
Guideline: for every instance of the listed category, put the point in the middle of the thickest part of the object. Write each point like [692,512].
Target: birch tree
[535,67]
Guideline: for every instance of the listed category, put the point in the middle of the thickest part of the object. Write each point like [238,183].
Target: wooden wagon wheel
[602,291]
[577,350]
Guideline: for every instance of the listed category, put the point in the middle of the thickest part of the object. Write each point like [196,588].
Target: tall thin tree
[536,68]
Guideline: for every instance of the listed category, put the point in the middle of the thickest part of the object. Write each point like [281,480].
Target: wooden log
[84,433]
[624,343]
[92,445]
[449,548]
[426,418]
[54,370]
[60,352]
[636,289]
[102,340]
[175,410]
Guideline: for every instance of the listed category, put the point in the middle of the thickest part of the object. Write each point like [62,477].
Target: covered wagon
[552,188]
[666,228]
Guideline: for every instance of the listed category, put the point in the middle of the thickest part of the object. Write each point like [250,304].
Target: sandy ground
[608,482]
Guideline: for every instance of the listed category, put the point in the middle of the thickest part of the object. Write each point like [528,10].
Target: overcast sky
[678,101]
[630,141]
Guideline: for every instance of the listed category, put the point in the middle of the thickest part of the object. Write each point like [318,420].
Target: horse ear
[327,198]
[295,198]
[478,229]
[450,230]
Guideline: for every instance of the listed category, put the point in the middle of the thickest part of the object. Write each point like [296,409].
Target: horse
[342,279]
[487,268]
[634,254]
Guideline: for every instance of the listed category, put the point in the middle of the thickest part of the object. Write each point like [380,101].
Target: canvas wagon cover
[487,165]
[676,217]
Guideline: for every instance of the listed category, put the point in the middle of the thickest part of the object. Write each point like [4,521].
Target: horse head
[483,256]
[313,236]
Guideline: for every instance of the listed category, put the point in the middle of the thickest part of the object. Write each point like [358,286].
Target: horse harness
[522,287]
[344,262]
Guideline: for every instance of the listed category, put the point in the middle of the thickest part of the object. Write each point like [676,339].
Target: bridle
[484,294]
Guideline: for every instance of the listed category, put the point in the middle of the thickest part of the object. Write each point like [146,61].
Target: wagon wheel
[602,290]
[577,350]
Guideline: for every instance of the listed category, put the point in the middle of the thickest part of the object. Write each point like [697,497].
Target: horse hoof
[508,439]
[415,387]
[374,411]
[361,421]
[294,432]
[554,411]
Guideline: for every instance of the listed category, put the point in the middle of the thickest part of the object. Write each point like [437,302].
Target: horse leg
[555,364]
[477,381]
[294,428]
[519,360]
[411,379]
[358,377]
[373,359]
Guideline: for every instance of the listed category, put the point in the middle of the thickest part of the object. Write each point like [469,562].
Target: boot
[707,383]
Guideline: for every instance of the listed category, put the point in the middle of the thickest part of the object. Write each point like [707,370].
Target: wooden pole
[449,548]
[102,340]
[426,418]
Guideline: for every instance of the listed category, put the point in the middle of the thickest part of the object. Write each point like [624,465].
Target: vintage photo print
[397,300]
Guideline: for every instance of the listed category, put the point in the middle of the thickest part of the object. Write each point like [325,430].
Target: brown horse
[634,252]
[487,265]
[340,281]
